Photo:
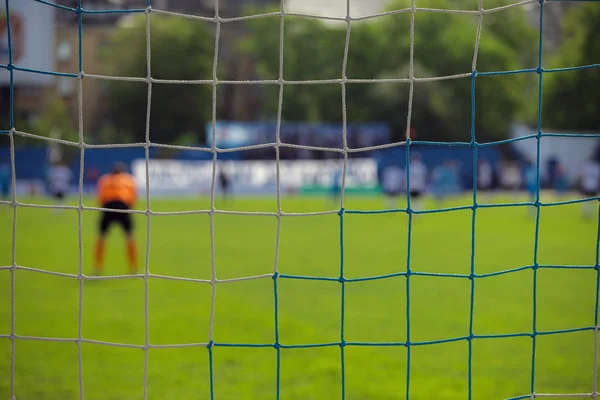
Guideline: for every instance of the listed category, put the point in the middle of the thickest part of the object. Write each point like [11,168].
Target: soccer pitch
[309,310]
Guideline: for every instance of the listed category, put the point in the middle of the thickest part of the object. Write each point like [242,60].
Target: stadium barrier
[188,177]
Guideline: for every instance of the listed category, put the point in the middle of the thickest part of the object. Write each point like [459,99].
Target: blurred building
[236,102]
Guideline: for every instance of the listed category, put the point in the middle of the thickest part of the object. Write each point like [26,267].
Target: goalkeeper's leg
[127,224]
[125,221]
[105,222]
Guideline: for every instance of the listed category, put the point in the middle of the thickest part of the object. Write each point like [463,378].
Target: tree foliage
[572,98]
[380,48]
[181,49]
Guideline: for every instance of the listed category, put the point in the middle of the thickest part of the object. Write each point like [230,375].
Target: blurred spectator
[589,182]
[392,183]
[418,180]
[4,179]
[485,177]
[553,164]
[561,182]
[511,178]
[59,181]
[441,180]
[531,182]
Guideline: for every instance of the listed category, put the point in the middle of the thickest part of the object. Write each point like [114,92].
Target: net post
[211,214]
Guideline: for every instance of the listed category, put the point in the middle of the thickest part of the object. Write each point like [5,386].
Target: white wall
[336,8]
[572,152]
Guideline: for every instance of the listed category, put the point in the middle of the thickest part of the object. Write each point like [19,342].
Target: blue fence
[30,163]
[433,156]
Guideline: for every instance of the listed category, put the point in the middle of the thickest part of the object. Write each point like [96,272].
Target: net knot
[277,345]
[539,70]
[341,212]
[79,10]
[597,267]
[10,67]
[470,337]
[471,276]
[474,73]
[342,344]
[341,279]
[275,275]
[407,343]
[408,273]
[210,344]
[535,266]
[475,206]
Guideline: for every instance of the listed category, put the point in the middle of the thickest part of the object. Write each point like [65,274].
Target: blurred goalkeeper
[116,190]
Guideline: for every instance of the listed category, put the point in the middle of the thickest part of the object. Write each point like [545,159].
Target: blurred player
[392,180]
[455,185]
[441,180]
[336,185]
[561,182]
[418,180]
[485,178]
[117,191]
[531,183]
[59,181]
[589,182]
[511,179]
[4,180]
[224,183]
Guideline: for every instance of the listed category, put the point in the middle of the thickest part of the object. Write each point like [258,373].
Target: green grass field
[309,311]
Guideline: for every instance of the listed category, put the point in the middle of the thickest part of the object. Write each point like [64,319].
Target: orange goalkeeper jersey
[117,187]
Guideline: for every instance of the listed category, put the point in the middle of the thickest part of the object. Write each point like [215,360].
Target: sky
[335,8]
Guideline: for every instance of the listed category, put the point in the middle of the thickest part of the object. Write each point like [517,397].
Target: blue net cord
[537,195]
[472,263]
[13,179]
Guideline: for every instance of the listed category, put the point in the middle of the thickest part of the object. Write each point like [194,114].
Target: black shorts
[415,193]
[108,217]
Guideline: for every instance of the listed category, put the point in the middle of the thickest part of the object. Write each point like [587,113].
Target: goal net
[212,343]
